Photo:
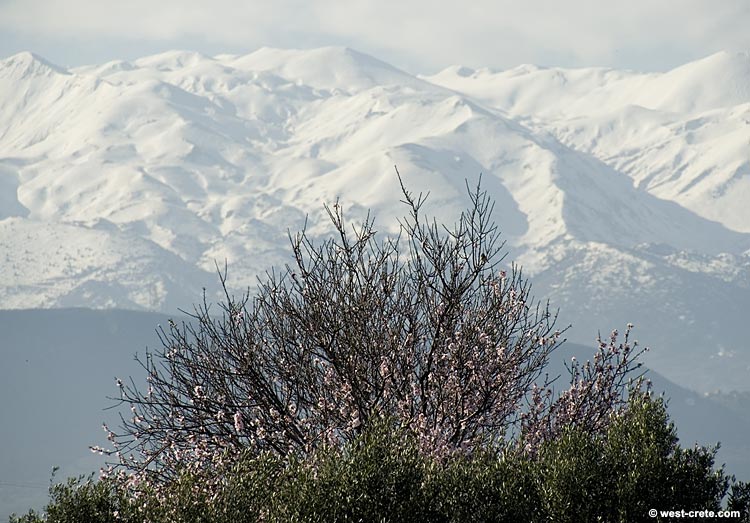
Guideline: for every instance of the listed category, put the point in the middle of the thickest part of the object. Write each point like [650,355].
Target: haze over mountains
[623,195]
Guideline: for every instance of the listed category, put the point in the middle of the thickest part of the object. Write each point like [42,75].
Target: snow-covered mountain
[681,135]
[624,195]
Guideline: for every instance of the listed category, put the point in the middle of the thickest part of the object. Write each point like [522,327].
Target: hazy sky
[420,36]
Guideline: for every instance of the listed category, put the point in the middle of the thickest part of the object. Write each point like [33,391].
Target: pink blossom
[239,424]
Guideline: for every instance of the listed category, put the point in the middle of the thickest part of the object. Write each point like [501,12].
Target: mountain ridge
[132,180]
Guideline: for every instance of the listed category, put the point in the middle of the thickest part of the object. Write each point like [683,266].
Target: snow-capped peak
[26,65]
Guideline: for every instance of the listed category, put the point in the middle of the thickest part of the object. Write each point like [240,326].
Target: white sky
[420,36]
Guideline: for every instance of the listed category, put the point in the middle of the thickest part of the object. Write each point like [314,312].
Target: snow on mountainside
[683,135]
[718,81]
[622,194]
[97,265]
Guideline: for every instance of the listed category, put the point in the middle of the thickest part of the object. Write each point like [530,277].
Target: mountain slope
[683,135]
[622,194]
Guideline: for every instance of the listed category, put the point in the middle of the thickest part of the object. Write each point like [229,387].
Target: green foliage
[376,478]
[253,485]
[76,500]
[30,517]
[639,446]
[651,470]
[572,478]
[382,476]
[635,466]
[490,486]
[739,499]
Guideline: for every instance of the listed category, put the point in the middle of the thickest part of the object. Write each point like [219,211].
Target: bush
[739,499]
[381,476]
[490,486]
[377,477]
[79,499]
[573,479]
[653,471]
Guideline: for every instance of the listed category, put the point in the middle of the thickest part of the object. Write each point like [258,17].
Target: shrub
[79,499]
[739,499]
[652,470]
[376,477]
[382,476]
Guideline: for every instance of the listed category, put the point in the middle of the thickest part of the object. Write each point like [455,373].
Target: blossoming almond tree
[426,330]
